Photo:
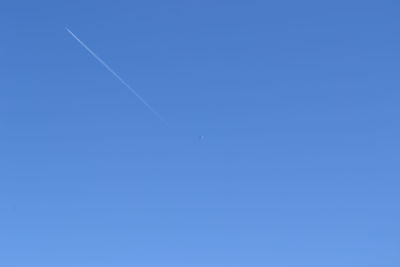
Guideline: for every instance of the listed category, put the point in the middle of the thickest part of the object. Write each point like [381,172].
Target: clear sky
[297,102]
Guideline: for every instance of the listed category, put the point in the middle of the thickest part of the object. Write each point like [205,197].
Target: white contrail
[116,75]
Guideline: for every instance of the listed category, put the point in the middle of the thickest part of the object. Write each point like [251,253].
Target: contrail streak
[116,75]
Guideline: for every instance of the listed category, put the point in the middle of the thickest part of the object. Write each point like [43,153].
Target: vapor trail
[116,75]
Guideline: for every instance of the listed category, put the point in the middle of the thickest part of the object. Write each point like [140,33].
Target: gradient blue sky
[297,102]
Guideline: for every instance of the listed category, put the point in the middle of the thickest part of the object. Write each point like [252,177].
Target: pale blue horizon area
[281,146]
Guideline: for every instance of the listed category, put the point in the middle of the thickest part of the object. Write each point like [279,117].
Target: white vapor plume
[116,75]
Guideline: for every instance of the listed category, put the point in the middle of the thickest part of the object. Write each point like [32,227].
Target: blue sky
[297,102]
